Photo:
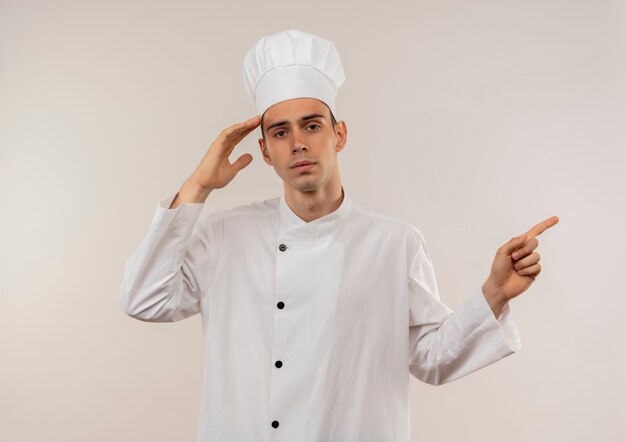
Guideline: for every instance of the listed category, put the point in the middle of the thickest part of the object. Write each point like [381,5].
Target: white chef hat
[292,64]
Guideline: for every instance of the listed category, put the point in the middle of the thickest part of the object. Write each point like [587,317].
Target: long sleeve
[166,274]
[445,345]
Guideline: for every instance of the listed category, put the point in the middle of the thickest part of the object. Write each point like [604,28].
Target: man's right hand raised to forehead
[215,170]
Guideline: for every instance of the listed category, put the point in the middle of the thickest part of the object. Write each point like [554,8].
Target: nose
[298,144]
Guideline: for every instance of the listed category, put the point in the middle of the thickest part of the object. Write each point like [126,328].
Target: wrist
[193,186]
[494,297]
[190,192]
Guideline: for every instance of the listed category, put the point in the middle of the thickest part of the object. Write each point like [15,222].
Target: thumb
[514,243]
[242,161]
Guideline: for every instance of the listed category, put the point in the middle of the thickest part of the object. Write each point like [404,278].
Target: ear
[265,152]
[341,132]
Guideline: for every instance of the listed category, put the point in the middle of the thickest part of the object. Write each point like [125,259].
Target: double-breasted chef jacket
[311,329]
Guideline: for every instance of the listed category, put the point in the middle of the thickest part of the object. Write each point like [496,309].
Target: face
[300,130]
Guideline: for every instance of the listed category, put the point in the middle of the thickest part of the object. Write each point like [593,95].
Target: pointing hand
[516,264]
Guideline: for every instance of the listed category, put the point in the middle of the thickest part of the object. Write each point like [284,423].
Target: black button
[281,304]
[275,424]
[278,364]
[282,247]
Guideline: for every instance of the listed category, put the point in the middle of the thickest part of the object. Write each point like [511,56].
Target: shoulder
[383,219]
[249,213]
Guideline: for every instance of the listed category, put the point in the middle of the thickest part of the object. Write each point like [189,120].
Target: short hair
[332,119]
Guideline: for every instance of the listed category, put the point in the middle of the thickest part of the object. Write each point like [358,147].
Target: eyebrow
[305,118]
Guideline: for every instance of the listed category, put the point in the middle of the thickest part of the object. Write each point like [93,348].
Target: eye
[277,132]
[311,125]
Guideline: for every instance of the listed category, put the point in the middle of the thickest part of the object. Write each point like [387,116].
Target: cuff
[186,212]
[505,324]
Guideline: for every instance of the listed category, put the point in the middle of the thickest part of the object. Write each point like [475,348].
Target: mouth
[305,165]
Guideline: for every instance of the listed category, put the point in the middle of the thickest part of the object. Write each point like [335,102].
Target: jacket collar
[292,224]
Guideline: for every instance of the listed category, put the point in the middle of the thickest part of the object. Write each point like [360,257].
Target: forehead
[293,109]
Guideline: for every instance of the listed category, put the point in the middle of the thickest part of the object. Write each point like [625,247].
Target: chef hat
[292,64]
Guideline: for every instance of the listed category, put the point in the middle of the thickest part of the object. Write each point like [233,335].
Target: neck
[316,203]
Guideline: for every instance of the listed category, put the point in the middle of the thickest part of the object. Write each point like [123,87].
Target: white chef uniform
[311,328]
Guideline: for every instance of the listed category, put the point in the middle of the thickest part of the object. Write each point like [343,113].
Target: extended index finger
[538,229]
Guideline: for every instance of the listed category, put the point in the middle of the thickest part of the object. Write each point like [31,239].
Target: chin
[305,186]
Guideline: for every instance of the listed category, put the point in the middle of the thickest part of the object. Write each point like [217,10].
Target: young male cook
[315,306]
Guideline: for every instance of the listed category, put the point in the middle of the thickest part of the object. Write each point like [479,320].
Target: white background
[473,120]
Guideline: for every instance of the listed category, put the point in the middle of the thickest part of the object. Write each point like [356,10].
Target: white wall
[474,120]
